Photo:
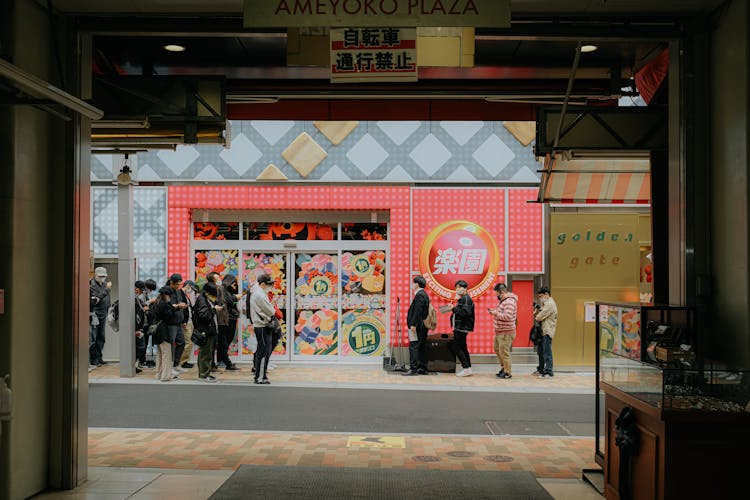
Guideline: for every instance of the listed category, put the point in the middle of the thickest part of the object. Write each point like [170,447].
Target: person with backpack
[462,321]
[415,320]
[141,325]
[504,321]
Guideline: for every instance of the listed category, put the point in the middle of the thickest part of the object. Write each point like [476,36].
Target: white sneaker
[181,369]
[175,373]
[464,373]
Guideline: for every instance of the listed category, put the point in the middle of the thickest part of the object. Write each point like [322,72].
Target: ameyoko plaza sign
[363,13]
[459,250]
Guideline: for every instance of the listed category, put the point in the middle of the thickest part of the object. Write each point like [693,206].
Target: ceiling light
[588,48]
[174,48]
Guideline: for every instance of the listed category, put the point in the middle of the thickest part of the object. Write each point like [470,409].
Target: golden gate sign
[384,13]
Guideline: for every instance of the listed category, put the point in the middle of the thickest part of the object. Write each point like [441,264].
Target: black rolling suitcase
[439,357]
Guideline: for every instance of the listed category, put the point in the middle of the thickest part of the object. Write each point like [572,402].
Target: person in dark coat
[166,317]
[141,325]
[462,321]
[418,310]
[178,321]
[228,323]
[204,321]
[99,289]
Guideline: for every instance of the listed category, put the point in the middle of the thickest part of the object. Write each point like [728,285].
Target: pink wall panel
[524,232]
[430,207]
[485,207]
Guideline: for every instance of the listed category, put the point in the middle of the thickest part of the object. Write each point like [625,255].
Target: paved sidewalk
[373,376]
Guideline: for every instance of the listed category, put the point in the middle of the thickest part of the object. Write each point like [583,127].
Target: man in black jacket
[418,310]
[180,319]
[99,289]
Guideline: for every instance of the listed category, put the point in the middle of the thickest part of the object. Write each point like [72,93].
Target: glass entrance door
[275,265]
[316,306]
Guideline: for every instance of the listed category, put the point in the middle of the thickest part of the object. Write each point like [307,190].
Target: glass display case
[660,365]
[710,389]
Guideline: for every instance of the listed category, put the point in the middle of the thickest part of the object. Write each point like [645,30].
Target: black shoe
[233,368]
[410,373]
[422,371]
[500,373]
[265,381]
[102,362]
[138,370]
[187,365]
[257,381]
[504,375]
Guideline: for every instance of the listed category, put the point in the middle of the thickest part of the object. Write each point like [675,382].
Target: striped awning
[596,181]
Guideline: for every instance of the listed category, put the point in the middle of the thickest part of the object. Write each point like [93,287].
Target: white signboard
[373,54]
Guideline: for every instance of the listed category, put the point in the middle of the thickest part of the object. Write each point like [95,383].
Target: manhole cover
[498,458]
[460,454]
[426,458]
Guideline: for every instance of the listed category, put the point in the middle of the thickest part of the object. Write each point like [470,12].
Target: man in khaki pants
[191,291]
[504,320]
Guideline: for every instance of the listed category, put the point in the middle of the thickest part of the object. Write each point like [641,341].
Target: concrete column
[126,276]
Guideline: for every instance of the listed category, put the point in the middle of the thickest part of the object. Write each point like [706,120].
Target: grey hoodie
[261,309]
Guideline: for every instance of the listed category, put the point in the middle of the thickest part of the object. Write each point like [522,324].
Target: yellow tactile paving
[545,457]
[375,375]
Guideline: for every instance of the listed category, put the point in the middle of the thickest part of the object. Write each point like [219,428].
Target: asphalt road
[269,408]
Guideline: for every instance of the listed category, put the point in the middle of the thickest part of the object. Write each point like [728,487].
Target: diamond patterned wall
[404,152]
[149,228]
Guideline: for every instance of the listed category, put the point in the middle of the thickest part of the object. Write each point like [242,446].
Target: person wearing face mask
[261,313]
[99,289]
[415,316]
[546,314]
[190,290]
[462,321]
[204,319]
[504,321]
[228,320]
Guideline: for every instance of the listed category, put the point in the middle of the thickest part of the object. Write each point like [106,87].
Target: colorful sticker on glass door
[219,261]
[273,265]
[363,302]
[363,332]
[316,304]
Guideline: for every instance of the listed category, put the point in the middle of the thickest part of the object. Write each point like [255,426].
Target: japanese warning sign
[374,54]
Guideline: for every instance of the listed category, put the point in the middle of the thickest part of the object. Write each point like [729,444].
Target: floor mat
[270,482]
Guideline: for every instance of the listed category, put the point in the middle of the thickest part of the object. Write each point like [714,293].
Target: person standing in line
[504,320]
[204,321]
[415,316]
[165,314]
[190,290]
[140,328]
[228,331]
[177,329]
[222,316]
[149,296]
[546,314]
[462,321]
[99,289]
[261,312]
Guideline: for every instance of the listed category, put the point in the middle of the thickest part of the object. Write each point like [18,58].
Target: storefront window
[363,303]
[364,231]
[289,231]
[316,304]
[216,230]
[219,261]
[273,265]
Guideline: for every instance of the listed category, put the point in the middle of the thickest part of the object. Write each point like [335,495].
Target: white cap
[100,271]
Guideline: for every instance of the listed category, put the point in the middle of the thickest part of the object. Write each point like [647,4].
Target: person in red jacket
[504,321]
